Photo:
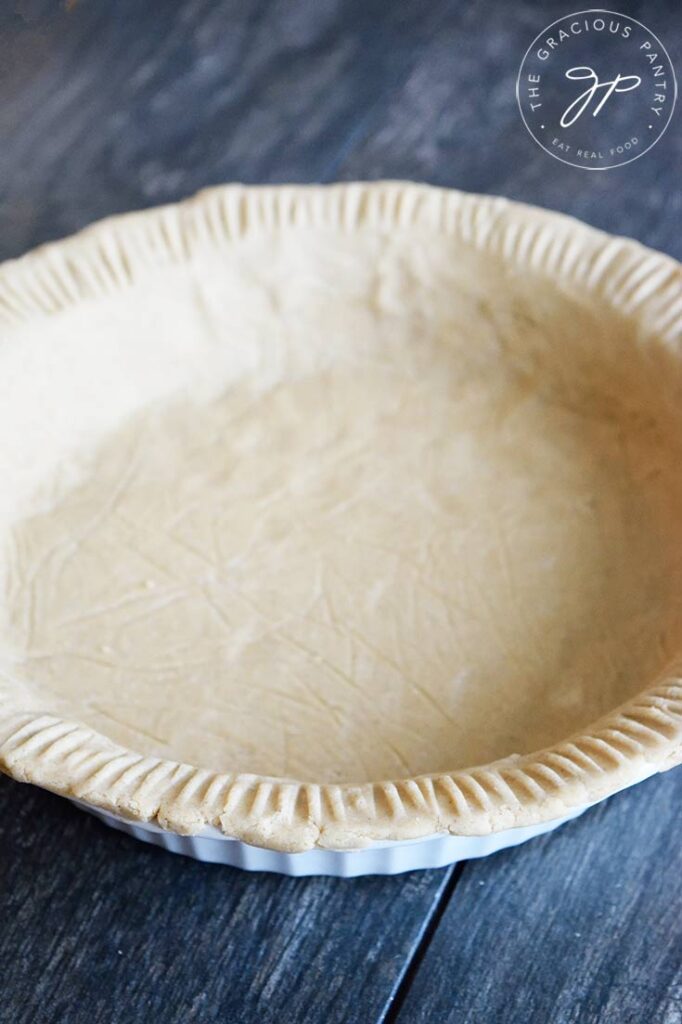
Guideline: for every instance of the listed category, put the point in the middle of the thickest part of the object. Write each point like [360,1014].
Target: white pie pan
[277,822]
[380,858]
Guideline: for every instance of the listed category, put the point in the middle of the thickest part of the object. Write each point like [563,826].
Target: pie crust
[310,488]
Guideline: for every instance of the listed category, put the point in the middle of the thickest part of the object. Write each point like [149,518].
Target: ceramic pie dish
[339,516]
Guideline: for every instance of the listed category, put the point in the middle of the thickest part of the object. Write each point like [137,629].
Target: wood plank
[579,927]
[96,926]
[107,108]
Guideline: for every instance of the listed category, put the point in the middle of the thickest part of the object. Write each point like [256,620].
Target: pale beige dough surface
[423,560]
[340,483]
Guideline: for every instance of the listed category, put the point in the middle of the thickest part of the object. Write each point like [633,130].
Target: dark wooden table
[112,106]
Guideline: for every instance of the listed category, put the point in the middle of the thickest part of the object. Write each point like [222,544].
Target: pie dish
[376,858]
[340,514]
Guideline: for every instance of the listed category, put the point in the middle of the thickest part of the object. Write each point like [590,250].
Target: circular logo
[596,89]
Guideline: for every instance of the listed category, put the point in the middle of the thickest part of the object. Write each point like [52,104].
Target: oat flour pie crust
[307,489]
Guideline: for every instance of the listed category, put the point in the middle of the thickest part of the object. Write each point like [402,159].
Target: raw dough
[418,562]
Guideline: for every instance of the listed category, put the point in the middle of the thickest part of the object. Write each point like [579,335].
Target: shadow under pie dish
[316,497]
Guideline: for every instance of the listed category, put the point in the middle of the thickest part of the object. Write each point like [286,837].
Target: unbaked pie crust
[309,488]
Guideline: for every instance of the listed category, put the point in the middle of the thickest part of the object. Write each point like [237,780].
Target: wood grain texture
[109,107]
[96,927]
[113,107]
[578,927]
